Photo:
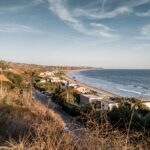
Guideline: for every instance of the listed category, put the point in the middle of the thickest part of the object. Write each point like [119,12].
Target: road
[68,120]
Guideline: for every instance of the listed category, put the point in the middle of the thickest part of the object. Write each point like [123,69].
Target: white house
[46,74]
[42,74]
[49,74]
[72,85]
[83,90]
[146,103]
[107,104]
[89,98]
[57,80]
[54,78]
[99,102]
[43,81]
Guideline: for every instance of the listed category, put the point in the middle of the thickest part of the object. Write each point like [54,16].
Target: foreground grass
[26,124]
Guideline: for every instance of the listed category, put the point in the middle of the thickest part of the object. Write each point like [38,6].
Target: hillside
[27,124]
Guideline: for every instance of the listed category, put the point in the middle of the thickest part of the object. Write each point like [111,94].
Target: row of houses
[99,100]
[51,77]
[48,74]
[105,103]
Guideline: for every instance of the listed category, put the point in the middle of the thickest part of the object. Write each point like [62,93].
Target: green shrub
[14,78]
[72,110]
[120,117]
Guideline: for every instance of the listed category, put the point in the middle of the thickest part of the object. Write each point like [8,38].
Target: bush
[14,78]
[72,110]
[120,117]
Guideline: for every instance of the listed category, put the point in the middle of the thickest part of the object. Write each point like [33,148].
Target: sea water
[128,83]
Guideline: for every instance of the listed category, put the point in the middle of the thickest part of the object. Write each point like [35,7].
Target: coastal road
[68,120]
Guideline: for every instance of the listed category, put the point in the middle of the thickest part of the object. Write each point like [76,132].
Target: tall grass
[26,124]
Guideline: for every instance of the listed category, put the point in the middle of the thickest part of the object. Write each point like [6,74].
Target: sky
[100,33]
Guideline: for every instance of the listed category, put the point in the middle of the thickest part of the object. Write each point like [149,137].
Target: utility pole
[1,82]
[1,90]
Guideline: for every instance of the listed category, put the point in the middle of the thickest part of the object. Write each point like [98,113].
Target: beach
[100,81]
[97,90]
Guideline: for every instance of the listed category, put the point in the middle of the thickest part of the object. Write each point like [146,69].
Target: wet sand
[98,90]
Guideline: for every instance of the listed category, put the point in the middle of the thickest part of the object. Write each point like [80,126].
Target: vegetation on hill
[26,124]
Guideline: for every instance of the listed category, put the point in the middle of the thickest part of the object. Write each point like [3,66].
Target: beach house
[46,74]
[146,103]
[99,102]
[107,104]
[89,98]
[83,90]
[73,85]
[43,81]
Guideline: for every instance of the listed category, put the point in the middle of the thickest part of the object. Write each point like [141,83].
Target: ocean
[128,83]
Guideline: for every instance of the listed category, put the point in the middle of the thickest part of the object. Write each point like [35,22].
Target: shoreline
[98,90]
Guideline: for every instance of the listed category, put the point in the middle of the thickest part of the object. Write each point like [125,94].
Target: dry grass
[26,124]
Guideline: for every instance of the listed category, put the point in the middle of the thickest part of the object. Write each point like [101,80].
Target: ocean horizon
[123,82]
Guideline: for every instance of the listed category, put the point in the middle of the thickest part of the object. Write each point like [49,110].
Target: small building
[83,90]
[89,98]
[43,81]
[49,74]
[46,74]
[146,103]
[107,104]
[99,102]
[54,78]
[72,85]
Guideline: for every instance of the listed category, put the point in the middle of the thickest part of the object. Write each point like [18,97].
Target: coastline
[98,90]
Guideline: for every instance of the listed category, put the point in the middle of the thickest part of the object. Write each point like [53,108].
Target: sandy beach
[98,90]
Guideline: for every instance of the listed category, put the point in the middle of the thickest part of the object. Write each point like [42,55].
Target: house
[83,90]
[146,103]
[72,85]
[99,102]
[89,98]
[42,74]
[107,104]
[46,74]
[55,80]
[49,74]
[43,81]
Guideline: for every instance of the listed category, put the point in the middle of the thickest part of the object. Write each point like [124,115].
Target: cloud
[143,46]
[109,9]
[143,14]
[15,28]
[36,2]
[95,14]
[103,5]
[145,33]
[146,30]
[98,25]
[20,6]
[59,7]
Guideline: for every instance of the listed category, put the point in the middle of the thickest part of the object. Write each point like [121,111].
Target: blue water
[129,83]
